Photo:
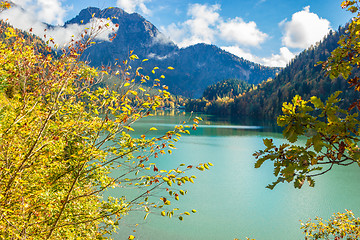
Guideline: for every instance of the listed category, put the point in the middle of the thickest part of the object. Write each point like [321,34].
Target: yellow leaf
[129,128]
[153,129]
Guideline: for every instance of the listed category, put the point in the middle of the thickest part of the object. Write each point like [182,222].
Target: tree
[332,135]
[339,226]
[61,136]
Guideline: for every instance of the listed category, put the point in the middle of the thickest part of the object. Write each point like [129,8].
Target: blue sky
[269,32]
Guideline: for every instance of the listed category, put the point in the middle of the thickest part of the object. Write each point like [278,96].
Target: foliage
[196,105]
[218,98]
[339,226]
[219,107]
[331,140]
[172,102]
[302,76]
[345,59]
[332,135]
[63,142]
[226,88]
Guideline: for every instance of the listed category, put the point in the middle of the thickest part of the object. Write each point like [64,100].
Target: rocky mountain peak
[196,67]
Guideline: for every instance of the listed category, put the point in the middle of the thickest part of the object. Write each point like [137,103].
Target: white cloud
[279,60]
[162,39]
[276,60]
[49,11]
[304,29]
[131,6]
[200,28]
[205,25]
[153,55]
[236,50]
[175,32]
[61,35]
[237,31]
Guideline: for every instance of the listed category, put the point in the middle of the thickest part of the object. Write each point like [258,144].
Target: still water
[231,199]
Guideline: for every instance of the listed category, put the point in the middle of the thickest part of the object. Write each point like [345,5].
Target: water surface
[231,199]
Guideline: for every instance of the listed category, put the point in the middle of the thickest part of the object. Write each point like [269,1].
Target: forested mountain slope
[302,76]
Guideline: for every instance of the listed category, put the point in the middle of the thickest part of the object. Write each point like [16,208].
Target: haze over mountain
[196,66]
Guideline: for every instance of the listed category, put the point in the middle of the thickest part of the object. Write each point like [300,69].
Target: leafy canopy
[64,140]
[332,135]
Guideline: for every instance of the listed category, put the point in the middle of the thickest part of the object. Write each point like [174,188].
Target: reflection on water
[241,127]
[231,198]
[210,125]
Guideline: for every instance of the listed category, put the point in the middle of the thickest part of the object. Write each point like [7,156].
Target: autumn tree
[64,141]
[332,135]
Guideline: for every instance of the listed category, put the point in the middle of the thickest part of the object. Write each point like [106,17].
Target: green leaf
[318,144]
[317,102]
[268,143]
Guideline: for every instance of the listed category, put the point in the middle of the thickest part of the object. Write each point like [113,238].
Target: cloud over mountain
[243,33]
[276,60]
[61,35]
[131,6]
[205,25]
[304,29]
[49,11]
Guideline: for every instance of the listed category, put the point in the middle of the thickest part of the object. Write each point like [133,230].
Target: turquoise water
[231,199]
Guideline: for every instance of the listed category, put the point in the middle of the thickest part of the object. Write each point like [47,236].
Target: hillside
[302,76]
[196,67]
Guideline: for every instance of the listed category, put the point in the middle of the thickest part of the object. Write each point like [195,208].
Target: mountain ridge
[302,76]
[196,66]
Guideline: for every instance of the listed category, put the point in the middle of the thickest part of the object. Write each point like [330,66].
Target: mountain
[134,33]
[196,67]
[302,76]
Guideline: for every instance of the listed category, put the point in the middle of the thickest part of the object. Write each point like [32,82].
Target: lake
[231,199]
